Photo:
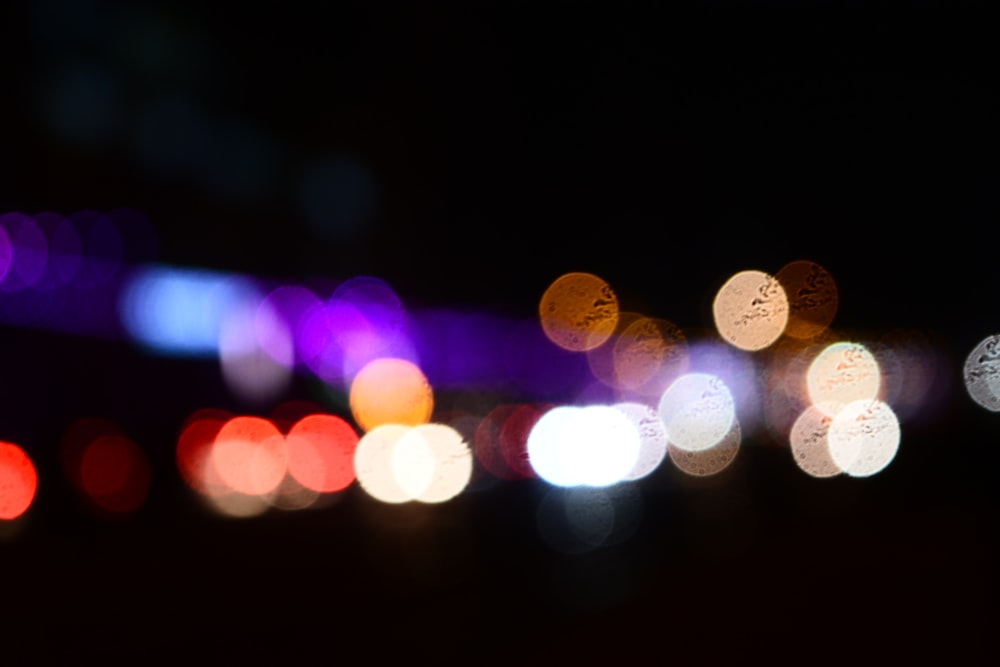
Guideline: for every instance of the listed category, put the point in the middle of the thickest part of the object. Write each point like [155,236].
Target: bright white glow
[591,446]
[180,311]
[373,463]
[550,454]
[452,462]
[864,437]
[697,411]
[412,463]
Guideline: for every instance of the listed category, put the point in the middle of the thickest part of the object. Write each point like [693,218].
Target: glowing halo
[578,311]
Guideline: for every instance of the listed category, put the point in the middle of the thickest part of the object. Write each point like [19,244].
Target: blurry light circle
[581,519]
[577,520]
[373,463]
[194,452]
[751,310]
[591,446]
[812,298]
[652,438]
[249,371]
[18,481]
[697,410]
[649,354]
[502,449]
[102,251]
[235,505]
[578,311]
[250,455]
[65,250]
[842,373]
[452,462]
[368,321]
[321,452]
[412,463]
[981,373]
[29,251]
[390,391]
[291,496]
[115,474]
[809,444]
[601,359]
[181,311]
[711,461]
[279,316]
[550,453]
[608,445]
[864,437]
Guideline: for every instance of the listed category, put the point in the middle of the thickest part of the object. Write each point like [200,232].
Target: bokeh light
[249,455]
[750,310]
[652,438]
[813,298]
[194,452]
[18,481]
[810,446]
[431,463]
[29,252]
[321,452]
[373,463]
[649,354]
[181,311]
[710,461]
[864,437]
[390,391]
[596,445]
[578,520]
[578,311]
[697,411]
[981,373]
[115,474]
[842,373]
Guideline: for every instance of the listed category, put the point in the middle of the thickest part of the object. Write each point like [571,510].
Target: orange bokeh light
[578,311]
[391,391]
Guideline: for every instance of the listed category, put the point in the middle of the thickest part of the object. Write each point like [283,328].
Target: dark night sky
[508,146]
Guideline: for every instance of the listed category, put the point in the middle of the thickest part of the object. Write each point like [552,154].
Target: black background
[511,144]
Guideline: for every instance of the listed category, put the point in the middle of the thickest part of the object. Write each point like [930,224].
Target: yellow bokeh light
[391,391]
[578,311]
[751,310]
[843,372]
